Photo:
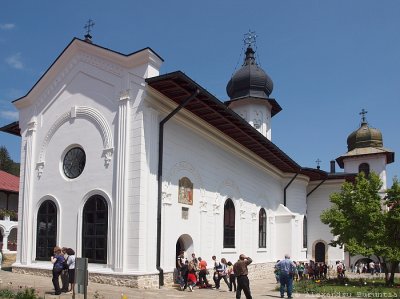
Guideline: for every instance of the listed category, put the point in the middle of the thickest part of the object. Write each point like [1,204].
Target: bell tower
[249,91]
[365,151]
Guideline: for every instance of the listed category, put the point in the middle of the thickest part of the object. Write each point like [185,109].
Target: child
[191,279]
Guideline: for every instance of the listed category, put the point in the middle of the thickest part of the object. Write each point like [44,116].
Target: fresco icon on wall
[185,195]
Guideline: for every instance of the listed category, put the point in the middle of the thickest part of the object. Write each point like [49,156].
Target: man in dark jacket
[241,272]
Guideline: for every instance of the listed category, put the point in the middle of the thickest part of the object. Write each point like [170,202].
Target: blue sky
[328,59]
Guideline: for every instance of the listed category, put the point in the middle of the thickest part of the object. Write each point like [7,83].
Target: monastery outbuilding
[129,167]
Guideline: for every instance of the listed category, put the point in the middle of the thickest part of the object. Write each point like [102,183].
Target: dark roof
[12,128]
[178,87]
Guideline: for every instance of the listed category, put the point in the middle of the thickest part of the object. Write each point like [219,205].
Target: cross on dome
[363,113]
[250,39]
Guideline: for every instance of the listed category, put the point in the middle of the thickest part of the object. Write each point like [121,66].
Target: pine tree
[6,164]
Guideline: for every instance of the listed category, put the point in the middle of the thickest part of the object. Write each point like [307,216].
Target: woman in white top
[71,269]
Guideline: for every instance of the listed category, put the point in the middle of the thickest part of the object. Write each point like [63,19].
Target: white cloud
[8,26]
[15,61]
[12,115]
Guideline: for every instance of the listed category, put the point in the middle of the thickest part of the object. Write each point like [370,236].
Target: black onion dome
[364,137]
[250,80]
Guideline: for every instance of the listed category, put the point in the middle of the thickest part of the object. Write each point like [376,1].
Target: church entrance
[320,252]
[184,243]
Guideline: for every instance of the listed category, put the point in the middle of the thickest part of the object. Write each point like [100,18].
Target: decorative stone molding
[216,206]
[101,64]
[242,209]
[55,85]
[254,212]
[124,95]
[203,206]
[32,125]
[83,112]
[39,168]
[173,175]
[166,198]
[107,154]
[271,219]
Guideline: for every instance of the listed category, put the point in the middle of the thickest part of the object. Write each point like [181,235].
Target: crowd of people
[63,261]
[193,273]
[371,267]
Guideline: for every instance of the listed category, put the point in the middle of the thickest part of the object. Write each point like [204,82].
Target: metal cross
[89,26]
[318,161]
[250,38]
[362,113]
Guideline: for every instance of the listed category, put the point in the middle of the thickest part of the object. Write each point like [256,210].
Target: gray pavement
[259,288]
[44,287]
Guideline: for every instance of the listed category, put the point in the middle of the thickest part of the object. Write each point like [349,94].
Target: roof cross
[250,38]
[318,161]
[89,25]
[362,113]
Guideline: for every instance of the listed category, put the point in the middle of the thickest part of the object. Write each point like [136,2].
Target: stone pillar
[5,242]
[26,212]
[121,180]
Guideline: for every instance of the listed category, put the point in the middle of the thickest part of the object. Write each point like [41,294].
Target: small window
[305,232]
[229,224]
[74,162]
[262,229]
[185,213]
[364,167]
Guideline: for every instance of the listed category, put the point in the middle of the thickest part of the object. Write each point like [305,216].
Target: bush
[27,293]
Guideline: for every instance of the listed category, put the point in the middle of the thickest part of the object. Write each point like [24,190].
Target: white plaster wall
[377,163]
[223,175]
[93,82]
[317,202]
[255,111]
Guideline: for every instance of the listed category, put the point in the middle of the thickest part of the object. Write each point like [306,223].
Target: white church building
[128,167]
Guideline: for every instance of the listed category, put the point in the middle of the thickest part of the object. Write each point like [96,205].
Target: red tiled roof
[8,182]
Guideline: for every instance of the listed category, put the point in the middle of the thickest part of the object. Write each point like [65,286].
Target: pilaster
[121,181]
[26,215]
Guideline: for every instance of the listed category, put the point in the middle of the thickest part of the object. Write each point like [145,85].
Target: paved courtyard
[259,288]
[43,285]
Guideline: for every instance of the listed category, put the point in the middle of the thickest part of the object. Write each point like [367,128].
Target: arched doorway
[320,252]
[184,243]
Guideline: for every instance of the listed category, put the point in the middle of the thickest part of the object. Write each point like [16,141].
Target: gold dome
[364,137]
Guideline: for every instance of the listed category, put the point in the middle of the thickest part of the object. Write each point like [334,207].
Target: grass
[362,288]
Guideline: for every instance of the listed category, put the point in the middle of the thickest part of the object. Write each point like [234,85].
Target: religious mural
[185,195]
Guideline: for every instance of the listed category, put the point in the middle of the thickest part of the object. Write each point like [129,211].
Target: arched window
[262,229]
[305,232]
[364,167]
[46,232]
[94,230]
[229,224]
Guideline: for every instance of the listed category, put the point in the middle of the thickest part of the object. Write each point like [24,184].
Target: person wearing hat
[241,272]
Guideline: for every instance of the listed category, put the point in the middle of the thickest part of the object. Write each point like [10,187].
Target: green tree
[6,163]
[359,220]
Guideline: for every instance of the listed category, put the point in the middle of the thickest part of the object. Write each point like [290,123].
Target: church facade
[129,167]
